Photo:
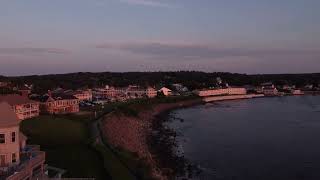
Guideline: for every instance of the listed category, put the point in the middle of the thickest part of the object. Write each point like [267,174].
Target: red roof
[8,118]
[14,99]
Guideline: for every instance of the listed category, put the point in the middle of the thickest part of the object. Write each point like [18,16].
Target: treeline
[191,79]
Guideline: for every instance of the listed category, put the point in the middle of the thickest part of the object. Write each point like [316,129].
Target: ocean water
[256,139]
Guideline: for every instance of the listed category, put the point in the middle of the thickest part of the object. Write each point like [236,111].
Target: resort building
[165,91]
[130,92]
[58,103]
[18,161]
[22,106]
[221,91]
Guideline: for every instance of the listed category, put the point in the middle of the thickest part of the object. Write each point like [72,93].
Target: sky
[241,36]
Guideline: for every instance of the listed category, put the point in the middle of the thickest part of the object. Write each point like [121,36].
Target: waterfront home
[58,103]
[22,105]
[221,91]
[18,161]
[270,91]
[165,91]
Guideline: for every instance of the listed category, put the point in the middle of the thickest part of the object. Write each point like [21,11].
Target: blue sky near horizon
[247,36]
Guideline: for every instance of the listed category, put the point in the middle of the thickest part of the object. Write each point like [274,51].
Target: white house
[166,91]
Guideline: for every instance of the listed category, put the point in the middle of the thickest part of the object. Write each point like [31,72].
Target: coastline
[147,137]
[134,133]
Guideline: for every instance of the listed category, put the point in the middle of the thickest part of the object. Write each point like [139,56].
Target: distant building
[151,92]
[25,91]
[165,91]
[221,91]
[18,161]
[297,92]
[180,88]
[123,93]
[4,84]
[270,91]
[58,103]
[22,106]
[82,95]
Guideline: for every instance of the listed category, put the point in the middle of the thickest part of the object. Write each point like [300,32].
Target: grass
[65,139]
[113,165]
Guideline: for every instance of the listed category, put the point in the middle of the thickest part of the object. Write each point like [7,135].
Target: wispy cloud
[153,3]
[195,51]
[32,50]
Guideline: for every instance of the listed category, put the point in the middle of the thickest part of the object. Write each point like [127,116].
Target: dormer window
[2,139]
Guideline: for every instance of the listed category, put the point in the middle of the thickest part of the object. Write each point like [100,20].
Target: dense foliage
[191,79]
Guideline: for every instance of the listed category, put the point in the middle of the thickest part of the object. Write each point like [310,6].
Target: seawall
[231,97]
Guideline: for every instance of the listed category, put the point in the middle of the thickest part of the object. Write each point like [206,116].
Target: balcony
[31,164]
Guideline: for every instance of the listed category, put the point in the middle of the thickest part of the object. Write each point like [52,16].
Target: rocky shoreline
[146,136]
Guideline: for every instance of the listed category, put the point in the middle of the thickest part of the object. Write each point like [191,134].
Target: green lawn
[65,139]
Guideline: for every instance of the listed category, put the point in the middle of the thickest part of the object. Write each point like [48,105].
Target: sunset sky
[245,36]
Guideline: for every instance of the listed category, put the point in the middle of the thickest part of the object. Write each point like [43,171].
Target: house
[267,85]
[24,91]
[18,161]
[82,95]
[4,84]
[58,103]
[166,91]
[180,88]
[22,106]
[151,92]
[270,91]
[221,91]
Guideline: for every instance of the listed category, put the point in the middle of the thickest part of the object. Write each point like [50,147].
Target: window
[14,158]
[2,160]
[2,139]
[13,137]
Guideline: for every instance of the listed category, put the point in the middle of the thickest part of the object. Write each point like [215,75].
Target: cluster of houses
[21,161]
[60,101]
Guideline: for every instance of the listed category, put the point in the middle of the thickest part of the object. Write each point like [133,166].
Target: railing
[35,158]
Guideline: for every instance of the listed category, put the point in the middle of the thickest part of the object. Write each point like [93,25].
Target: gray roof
[8,117]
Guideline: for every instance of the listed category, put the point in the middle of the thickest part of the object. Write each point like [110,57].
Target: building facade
[83,95]
[221,91]
[124,93]
[59,104]
[22,106]
[270,91]
[18,161]
[165,91]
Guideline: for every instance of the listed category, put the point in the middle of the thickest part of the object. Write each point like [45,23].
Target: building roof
[15,99]
[8,117]
[164,89]
[54,97]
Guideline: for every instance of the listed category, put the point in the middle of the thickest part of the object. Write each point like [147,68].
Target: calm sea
[259,139]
